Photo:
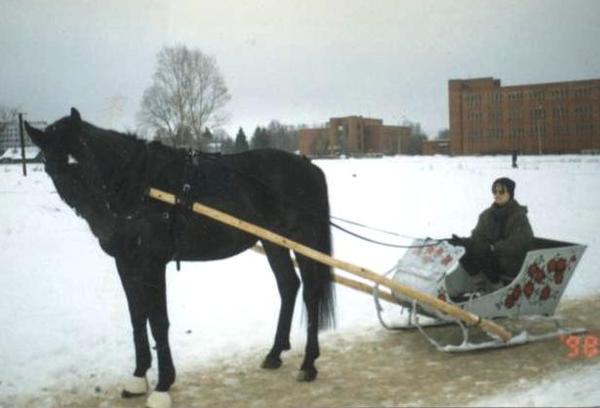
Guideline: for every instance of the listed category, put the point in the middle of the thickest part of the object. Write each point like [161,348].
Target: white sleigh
[532,295]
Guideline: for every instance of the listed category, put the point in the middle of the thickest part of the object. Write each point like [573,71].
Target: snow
[14,153]
[571,388]
[64,317]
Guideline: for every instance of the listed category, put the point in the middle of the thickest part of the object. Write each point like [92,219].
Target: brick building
[487,118]
[352,136]
[431,147]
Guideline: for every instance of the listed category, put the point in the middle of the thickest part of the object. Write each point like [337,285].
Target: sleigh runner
[530,297]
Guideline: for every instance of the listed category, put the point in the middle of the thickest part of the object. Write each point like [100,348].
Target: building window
[583,92]
[495,116]
[538,131]
[584,130]
[583,112]
[472,99]
[536,95]
[515,115]
[537,113]
[515,96]
[475,116]
[560,112]
[495,133]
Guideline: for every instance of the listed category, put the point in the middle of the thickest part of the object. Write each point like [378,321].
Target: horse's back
[283,172]
[265,160]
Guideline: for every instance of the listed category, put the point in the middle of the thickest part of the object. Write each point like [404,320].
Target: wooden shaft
[424,298]
[350,283]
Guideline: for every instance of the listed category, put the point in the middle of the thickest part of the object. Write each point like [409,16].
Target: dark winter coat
[500,240]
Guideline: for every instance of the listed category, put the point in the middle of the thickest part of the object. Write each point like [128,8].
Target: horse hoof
[271,363]
[307,375]
[159,399]
[135,387]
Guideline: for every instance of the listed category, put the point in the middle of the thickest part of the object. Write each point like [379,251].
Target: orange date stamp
[584,346]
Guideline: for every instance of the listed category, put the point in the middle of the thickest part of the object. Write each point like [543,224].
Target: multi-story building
[354,135]
[487,118]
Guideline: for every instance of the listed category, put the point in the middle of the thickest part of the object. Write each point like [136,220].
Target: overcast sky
[296,61]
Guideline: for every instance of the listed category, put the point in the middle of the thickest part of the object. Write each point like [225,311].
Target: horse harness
[184,200]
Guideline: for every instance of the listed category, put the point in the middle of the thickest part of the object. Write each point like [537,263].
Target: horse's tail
[324,278]
[322,274]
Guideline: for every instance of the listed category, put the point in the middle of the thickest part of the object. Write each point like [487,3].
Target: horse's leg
[131,280]
[156,292]
[310,294]
[145,287]
[287,284]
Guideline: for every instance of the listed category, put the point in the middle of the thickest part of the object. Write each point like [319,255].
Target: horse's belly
[207,247]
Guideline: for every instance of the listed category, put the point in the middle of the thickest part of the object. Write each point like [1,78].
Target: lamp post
[538,111]
[22,136]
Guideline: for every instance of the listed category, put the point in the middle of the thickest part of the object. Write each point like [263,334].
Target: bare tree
[443,134]
[187,95]
[283,137]
[7,115]
[417,137]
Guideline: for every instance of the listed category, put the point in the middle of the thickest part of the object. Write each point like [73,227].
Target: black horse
[103,175]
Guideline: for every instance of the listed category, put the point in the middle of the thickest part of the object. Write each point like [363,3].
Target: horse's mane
[122,165]
[118,163]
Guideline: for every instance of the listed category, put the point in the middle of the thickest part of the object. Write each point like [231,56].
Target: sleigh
[528,300]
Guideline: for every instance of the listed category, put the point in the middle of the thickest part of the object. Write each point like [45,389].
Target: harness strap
[184,201]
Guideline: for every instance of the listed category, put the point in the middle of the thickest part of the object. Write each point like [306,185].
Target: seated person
[498,244]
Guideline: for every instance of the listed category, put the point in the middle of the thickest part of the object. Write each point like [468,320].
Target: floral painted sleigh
[533,295]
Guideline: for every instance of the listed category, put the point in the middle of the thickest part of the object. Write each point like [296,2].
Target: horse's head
[108,163]
[59,141]
[61,146]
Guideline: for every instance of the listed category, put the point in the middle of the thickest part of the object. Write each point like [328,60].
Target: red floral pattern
[558,277]
[545,294]
[516,292]
[447,259]
[536,273]
[528,289]
[543,277]
[561,265]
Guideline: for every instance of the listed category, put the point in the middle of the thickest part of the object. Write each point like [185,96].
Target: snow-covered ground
[64,319]
[14,153]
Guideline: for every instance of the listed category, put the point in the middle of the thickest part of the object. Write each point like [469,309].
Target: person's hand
[456,240]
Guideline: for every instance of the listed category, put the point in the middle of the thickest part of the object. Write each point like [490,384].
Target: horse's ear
[36,135]
[75,117]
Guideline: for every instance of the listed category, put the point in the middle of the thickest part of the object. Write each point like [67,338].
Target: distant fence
[10,144]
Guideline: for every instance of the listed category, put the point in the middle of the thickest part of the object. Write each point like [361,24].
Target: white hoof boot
[135,387]
[158,399]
